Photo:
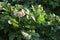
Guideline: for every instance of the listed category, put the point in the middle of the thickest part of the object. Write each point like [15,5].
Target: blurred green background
[29,19]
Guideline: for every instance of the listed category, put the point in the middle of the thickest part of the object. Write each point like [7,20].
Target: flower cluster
[19,13]
[26,35]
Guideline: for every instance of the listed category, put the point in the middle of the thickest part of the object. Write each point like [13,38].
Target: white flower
[19,13]
[16,13]
[26,35]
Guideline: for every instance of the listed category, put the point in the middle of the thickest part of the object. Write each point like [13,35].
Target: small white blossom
[20,13]
[16,13]
[26,35]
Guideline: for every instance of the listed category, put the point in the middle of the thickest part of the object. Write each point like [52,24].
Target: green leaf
[11,36]
[13,22]
[41,18]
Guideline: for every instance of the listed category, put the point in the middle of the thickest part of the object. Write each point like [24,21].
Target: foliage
[29,20]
